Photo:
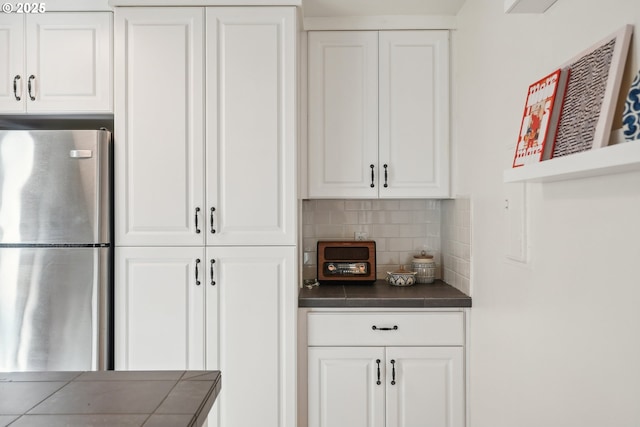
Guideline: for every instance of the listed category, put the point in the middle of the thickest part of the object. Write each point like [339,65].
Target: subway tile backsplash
[456,243]
[401,229]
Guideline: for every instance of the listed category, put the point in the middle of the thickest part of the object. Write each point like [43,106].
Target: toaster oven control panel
[346,268]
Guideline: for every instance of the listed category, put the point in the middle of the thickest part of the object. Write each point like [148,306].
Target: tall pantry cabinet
[206,201]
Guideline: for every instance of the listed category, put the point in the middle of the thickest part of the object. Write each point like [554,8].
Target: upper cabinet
[378,116]
[251,126]
[159,126]
[56,63]
[206,163]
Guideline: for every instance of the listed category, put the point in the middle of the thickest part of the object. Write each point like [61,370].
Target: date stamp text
[24,7]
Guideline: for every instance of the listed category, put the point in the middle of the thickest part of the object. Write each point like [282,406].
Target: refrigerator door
[54,308]
[54,187]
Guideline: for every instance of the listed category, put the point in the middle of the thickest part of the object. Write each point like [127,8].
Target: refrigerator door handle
[81,154]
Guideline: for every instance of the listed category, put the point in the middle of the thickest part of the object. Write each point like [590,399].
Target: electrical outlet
[360,235]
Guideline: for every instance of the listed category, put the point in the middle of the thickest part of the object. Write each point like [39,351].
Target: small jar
[425,268]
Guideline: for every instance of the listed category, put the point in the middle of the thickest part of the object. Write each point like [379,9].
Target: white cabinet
[414,113]
[206,201]
[159,126]
[378,120]
[206,163]
[426,386]
[251,125]
[56,62]
[407,371]
[250,323]
[343,114]
[159,308]
[216,308]
[343,387]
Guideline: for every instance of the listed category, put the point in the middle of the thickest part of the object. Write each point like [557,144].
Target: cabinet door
[414,114]
[159,308]
[69,62]
[343,114]
[343,386]
[159,126]
[12,60]
[428,389]
[250,322]
[251,130]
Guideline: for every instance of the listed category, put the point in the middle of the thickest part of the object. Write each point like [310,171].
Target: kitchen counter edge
[380,294]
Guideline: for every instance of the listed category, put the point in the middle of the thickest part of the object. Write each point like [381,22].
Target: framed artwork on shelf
[540,118]
[591,95]
[631,115]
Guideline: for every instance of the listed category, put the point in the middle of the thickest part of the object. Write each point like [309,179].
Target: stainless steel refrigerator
[55,249]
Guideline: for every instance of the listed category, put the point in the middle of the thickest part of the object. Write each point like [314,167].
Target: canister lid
[423,257]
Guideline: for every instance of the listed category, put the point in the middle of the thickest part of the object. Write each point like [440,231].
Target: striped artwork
[583,101]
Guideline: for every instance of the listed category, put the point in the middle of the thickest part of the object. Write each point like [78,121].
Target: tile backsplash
[456,243]
[401,229]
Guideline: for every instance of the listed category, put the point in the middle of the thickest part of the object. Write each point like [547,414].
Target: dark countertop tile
[38,376]
[108,398]
[381,294]
[5,420]
[131,375]
[185,398]
[17,398]
[63,420]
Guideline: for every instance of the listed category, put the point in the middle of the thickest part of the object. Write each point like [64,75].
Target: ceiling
[330,8]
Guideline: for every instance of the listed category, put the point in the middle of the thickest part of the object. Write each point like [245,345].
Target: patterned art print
[583,101]
[631,115]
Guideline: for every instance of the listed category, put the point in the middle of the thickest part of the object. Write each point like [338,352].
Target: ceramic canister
[425,268]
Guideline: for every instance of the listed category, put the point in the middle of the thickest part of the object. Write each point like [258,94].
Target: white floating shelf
[618,158]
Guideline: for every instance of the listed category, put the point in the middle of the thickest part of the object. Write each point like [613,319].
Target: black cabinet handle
[197,227]
[31,77]
[197,263]
[213,230]
[375,328]
[372,177]
[15,87]
[385,176]
[393,372]
[213,282]
[378,362]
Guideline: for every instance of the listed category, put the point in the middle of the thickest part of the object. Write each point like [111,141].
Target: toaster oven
[346,261]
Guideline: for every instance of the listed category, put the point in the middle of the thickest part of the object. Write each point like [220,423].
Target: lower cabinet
[391,376]
[226,308]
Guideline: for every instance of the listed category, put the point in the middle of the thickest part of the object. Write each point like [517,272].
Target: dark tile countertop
[381,294]
[107,398]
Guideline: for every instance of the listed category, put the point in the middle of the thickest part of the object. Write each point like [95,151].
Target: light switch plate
[515,222]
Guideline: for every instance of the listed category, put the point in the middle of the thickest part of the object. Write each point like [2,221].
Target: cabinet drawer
[385,329]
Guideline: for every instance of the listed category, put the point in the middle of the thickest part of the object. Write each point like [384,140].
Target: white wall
[555,341]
